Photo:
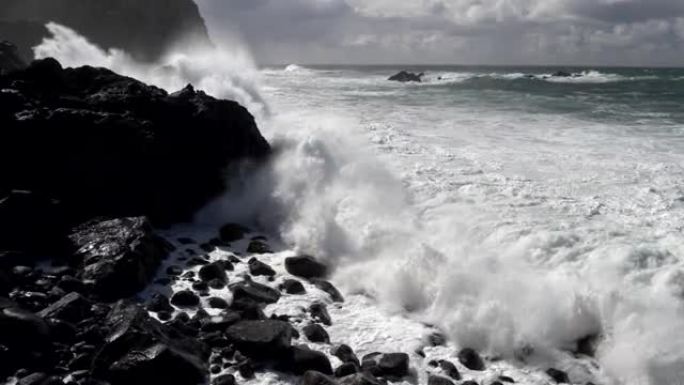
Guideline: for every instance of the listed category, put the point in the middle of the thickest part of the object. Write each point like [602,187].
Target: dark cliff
[144,29]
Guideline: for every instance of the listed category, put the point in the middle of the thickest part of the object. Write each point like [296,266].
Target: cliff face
[145,29]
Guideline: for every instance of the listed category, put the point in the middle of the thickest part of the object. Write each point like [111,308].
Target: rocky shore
[100,283]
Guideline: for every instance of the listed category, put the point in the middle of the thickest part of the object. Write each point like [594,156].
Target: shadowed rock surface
[145,29]
[108,145]
[9,58]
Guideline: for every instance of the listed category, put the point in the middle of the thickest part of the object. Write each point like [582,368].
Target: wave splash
[326,193]
[223,73]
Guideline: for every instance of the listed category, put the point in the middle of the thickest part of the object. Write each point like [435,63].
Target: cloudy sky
[609,32]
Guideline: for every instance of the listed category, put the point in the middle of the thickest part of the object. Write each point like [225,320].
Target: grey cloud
[609,32]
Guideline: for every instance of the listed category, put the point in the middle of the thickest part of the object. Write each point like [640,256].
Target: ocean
[517,211]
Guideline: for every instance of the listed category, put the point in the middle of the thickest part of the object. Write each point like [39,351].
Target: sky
[496,32]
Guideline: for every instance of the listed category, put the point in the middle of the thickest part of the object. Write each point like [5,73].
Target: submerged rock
[559,376]
[316,378]
[405,77]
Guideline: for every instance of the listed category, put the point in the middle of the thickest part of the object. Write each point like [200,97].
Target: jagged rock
[439,380]
[213,271]
[9,58]
[232,232]
[301,359]
[255,292]
[108,145]
[328,287]
[470,359]
[185,299]
[559,376]
[305,266]
[450,369]
[141,351]
[119,256]
[319,312]
[405,76]
[71,308]
[345,354]
[316,333]
[292,286]
[261,339]
[257,268]
[316,378]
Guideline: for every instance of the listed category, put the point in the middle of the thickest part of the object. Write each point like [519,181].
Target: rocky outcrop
[145,29]
[9,58]
[107,145]
[405,77]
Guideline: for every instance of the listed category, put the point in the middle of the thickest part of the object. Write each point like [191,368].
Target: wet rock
[394,365]
[174,271]
[261,339]
[471,359]
[119,256]
[316,333]
[506,379]
[258,268]
[450,369]
[436,339]
[71,308]
[217,303]
[32,379]
[24,334]
[316,378]
[224,379]
[405,77]
[328,288]
[301,359]
[258,247]
[185,299]
[359,379]
[71,284]
[345,354]
[246,369]
[232,232]
[306,267]
[140,350]
[562,74]
[346,369]
[254,292]
[217,284]
[319,312]
[292,286]
[186,241]
[439,380]
[558,375]
[213,271]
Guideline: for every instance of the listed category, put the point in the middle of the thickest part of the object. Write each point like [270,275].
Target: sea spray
[223,73]
[524,293]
